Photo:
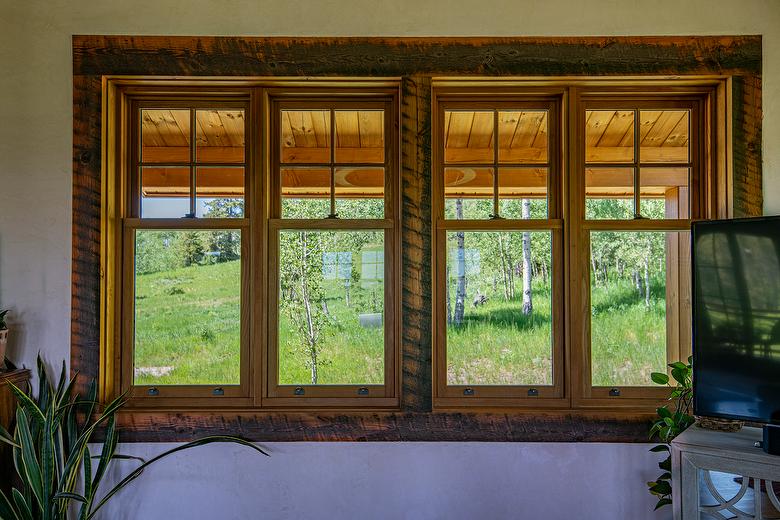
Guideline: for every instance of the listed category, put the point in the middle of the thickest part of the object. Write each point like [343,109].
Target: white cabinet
[716,475]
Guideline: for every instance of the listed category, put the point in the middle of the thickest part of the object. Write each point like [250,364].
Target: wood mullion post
[416,245]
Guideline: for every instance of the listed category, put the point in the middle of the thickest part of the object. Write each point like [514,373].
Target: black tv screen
[736,318]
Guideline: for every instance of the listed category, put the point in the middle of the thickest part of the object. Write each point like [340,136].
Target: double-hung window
[185,238]
[258,239]
[332,250]
[499,265]
[562,253]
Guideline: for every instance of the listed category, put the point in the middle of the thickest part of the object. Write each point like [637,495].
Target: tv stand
[700,487]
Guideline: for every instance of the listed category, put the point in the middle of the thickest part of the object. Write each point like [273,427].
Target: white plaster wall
[423,481]
[395,481]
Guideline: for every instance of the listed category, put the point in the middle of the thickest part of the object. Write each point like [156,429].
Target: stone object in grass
[153,371]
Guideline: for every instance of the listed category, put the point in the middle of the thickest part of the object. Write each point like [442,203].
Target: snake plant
[52,457]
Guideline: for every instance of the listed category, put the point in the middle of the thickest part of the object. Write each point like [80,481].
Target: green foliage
[3,324]
[673,419]
[52,456]
[190,248]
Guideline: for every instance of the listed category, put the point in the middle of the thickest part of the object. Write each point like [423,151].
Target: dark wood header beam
[242,56]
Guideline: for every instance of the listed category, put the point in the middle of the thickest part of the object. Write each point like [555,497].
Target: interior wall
[35,218]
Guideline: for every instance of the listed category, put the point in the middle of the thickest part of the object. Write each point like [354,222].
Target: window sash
[307,395]
[449,395]
[677,347]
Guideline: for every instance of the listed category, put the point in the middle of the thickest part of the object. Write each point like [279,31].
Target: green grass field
[187,332]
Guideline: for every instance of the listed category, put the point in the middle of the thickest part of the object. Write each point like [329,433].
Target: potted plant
[3,338]
[52,457]
[673,419]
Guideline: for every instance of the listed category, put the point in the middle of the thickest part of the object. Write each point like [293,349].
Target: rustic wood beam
[531,56]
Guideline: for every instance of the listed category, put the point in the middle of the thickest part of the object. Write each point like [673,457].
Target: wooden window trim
[103,63]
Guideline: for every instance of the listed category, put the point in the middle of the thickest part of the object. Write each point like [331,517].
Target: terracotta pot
[3,345]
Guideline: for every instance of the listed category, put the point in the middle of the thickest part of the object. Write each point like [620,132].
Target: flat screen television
[736,319]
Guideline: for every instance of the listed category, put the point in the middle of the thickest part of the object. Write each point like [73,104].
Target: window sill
[386,426]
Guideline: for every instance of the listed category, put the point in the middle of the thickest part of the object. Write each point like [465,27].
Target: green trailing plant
[3,324]
[52,457]
[673,419]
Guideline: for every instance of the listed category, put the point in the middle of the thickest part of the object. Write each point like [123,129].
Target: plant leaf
[70,496]
[662,502]
[660,448]
[659,378]
[22,505]
[194,444]
[7,510]
[27,403]
[7,438]
[32,469]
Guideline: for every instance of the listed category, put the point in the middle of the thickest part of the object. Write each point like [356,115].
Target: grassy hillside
[188,333]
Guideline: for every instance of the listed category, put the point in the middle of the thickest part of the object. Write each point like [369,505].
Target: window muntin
[492,156]
[635,179]
[335,156]
[333,228]
[172,170]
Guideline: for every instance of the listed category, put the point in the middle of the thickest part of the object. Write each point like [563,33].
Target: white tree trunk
[528,305]
[460,291]
[311,331]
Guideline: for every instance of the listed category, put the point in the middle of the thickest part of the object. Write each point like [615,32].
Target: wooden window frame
[379,396]
[496,99]
[571,250]
[103,65]
[259,229]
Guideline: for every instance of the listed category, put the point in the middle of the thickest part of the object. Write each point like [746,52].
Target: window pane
[628,306]
[360,192]
[220,192]
[499,301]
[165,191]
[609,193]
[522,136]
[305,136]
[609,136]
[664,136]
[305,192]
[468,193]
[664,192]
[468,137]
[360,136]
[165,136]
[518,185]
[331,307]
[220,136]
[187,307]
